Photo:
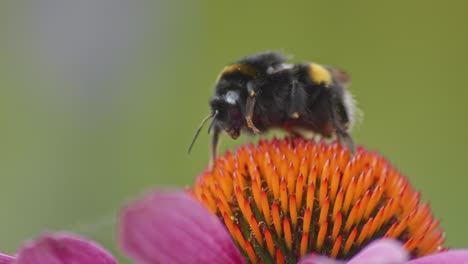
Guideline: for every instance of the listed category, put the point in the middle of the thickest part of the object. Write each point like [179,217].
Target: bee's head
[228,113]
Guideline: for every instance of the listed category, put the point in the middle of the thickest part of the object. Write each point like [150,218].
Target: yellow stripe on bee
[319,74]
[237,67]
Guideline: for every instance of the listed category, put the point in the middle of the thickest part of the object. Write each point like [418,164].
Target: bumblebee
[262,91]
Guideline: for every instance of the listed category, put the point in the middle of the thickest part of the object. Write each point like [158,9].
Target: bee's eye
[217,103]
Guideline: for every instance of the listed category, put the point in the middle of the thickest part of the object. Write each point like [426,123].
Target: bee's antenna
[212,121]
[200,127]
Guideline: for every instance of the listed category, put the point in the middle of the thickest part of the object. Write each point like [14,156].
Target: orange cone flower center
[283,199]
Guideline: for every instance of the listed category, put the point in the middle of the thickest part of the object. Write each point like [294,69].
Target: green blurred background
[99,99]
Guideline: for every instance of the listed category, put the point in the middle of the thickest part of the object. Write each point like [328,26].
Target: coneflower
[285,201]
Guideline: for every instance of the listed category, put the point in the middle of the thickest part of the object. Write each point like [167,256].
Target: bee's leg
[249,108]
[341,133]
[250,105]
[346,140]
[295,134]
[297,101]
[214,146]
[301,133]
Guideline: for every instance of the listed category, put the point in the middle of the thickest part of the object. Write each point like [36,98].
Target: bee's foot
[251,125]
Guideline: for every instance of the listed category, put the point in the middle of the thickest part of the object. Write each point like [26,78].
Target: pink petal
[383,251]
[449,257]
[5,259]
[172,227]
[63,249]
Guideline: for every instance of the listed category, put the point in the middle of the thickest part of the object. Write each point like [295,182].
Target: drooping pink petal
[448,257]
[5,259]
[383,251]
[63,249]
[171,227]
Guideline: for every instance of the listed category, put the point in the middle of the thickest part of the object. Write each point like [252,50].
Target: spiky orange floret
[281,200]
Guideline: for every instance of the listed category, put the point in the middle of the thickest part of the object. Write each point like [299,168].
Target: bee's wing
[341,77]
